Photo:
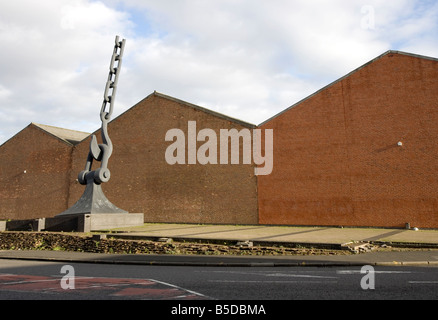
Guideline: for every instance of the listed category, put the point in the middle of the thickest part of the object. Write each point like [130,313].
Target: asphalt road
[50,281]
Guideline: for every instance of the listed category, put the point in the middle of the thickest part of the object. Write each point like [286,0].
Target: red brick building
[362,151]
[141,179]
[35,168]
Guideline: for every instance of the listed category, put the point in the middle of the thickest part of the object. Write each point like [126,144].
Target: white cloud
[247,59]
[251,59]
[55,59]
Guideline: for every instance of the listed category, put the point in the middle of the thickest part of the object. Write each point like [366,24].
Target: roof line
[214,113]
[188,104]
[41,127]
[119,116]
[35,125]
[411,55]
[49,133]
[346,76]
[10,139]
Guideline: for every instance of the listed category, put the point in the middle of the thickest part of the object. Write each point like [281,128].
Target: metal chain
[111,84]
[102,152]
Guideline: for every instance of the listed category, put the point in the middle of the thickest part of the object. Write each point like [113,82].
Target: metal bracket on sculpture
[97,152]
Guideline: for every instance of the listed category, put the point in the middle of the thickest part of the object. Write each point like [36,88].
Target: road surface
[60,281]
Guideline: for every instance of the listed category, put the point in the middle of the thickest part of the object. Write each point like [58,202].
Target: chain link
[111,84]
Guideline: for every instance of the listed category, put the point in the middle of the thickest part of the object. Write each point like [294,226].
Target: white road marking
[298,276]
[271,281]
[275,274]
[179,288]
[381,272]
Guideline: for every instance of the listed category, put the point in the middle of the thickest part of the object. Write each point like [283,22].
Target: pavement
[420,248]
[277,234]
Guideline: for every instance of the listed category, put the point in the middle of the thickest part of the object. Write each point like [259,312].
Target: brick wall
[34,174]
[142,180]
[336,155]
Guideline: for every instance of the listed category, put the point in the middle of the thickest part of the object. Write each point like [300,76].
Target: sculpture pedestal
[93,200]
[76,222]
[93,221]
[23,225]
[93,212]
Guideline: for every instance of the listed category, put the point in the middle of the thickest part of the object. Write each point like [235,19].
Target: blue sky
[248,59]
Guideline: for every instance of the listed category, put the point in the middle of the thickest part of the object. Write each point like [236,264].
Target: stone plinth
[93,221]
[76,222]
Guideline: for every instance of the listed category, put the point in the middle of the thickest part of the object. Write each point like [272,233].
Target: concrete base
[22,225]
[78,223]
[114,220]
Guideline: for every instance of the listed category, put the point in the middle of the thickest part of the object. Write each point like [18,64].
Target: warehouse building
[363,151]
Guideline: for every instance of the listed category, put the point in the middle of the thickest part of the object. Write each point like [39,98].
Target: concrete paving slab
[282,233]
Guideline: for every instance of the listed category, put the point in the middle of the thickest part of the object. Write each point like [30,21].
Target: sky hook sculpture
[93,200]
